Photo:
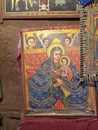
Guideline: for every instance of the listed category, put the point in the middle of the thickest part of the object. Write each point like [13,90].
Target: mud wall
[10,106]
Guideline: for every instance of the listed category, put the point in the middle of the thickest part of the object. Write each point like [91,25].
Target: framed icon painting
[51,81]
[40,8]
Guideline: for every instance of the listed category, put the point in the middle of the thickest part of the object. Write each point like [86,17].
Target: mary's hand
[58,83]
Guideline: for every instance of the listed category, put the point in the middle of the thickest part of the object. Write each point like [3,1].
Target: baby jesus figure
[62,73]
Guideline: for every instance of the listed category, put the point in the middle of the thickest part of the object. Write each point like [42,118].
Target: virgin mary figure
[42,93]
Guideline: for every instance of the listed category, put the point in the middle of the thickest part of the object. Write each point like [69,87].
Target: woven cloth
[47,123]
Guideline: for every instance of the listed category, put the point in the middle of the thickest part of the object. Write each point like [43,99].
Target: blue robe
[43,95]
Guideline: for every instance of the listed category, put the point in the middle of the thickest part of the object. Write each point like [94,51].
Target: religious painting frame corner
[39,9]
[51,74]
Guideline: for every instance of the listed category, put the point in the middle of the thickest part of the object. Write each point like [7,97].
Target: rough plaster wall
[9,71]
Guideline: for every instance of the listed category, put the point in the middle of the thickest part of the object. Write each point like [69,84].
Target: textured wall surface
[10,106]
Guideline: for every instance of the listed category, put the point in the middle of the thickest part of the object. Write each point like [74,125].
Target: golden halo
[65,57]
[55,45]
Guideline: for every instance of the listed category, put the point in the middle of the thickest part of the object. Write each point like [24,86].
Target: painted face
[56,56]
[67,42]
[31,43]
[64,62]
[46,43]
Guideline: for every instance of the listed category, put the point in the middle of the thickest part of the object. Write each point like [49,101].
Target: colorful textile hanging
[86,2]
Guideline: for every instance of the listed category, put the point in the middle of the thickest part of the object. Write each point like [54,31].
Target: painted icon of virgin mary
[42,92]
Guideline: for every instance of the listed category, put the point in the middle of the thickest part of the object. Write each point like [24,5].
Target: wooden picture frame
[40,9]
[51,88]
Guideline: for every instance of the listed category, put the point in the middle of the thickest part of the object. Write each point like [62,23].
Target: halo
[55,45]
[66,57]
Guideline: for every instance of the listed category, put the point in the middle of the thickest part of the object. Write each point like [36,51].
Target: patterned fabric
[86,2]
